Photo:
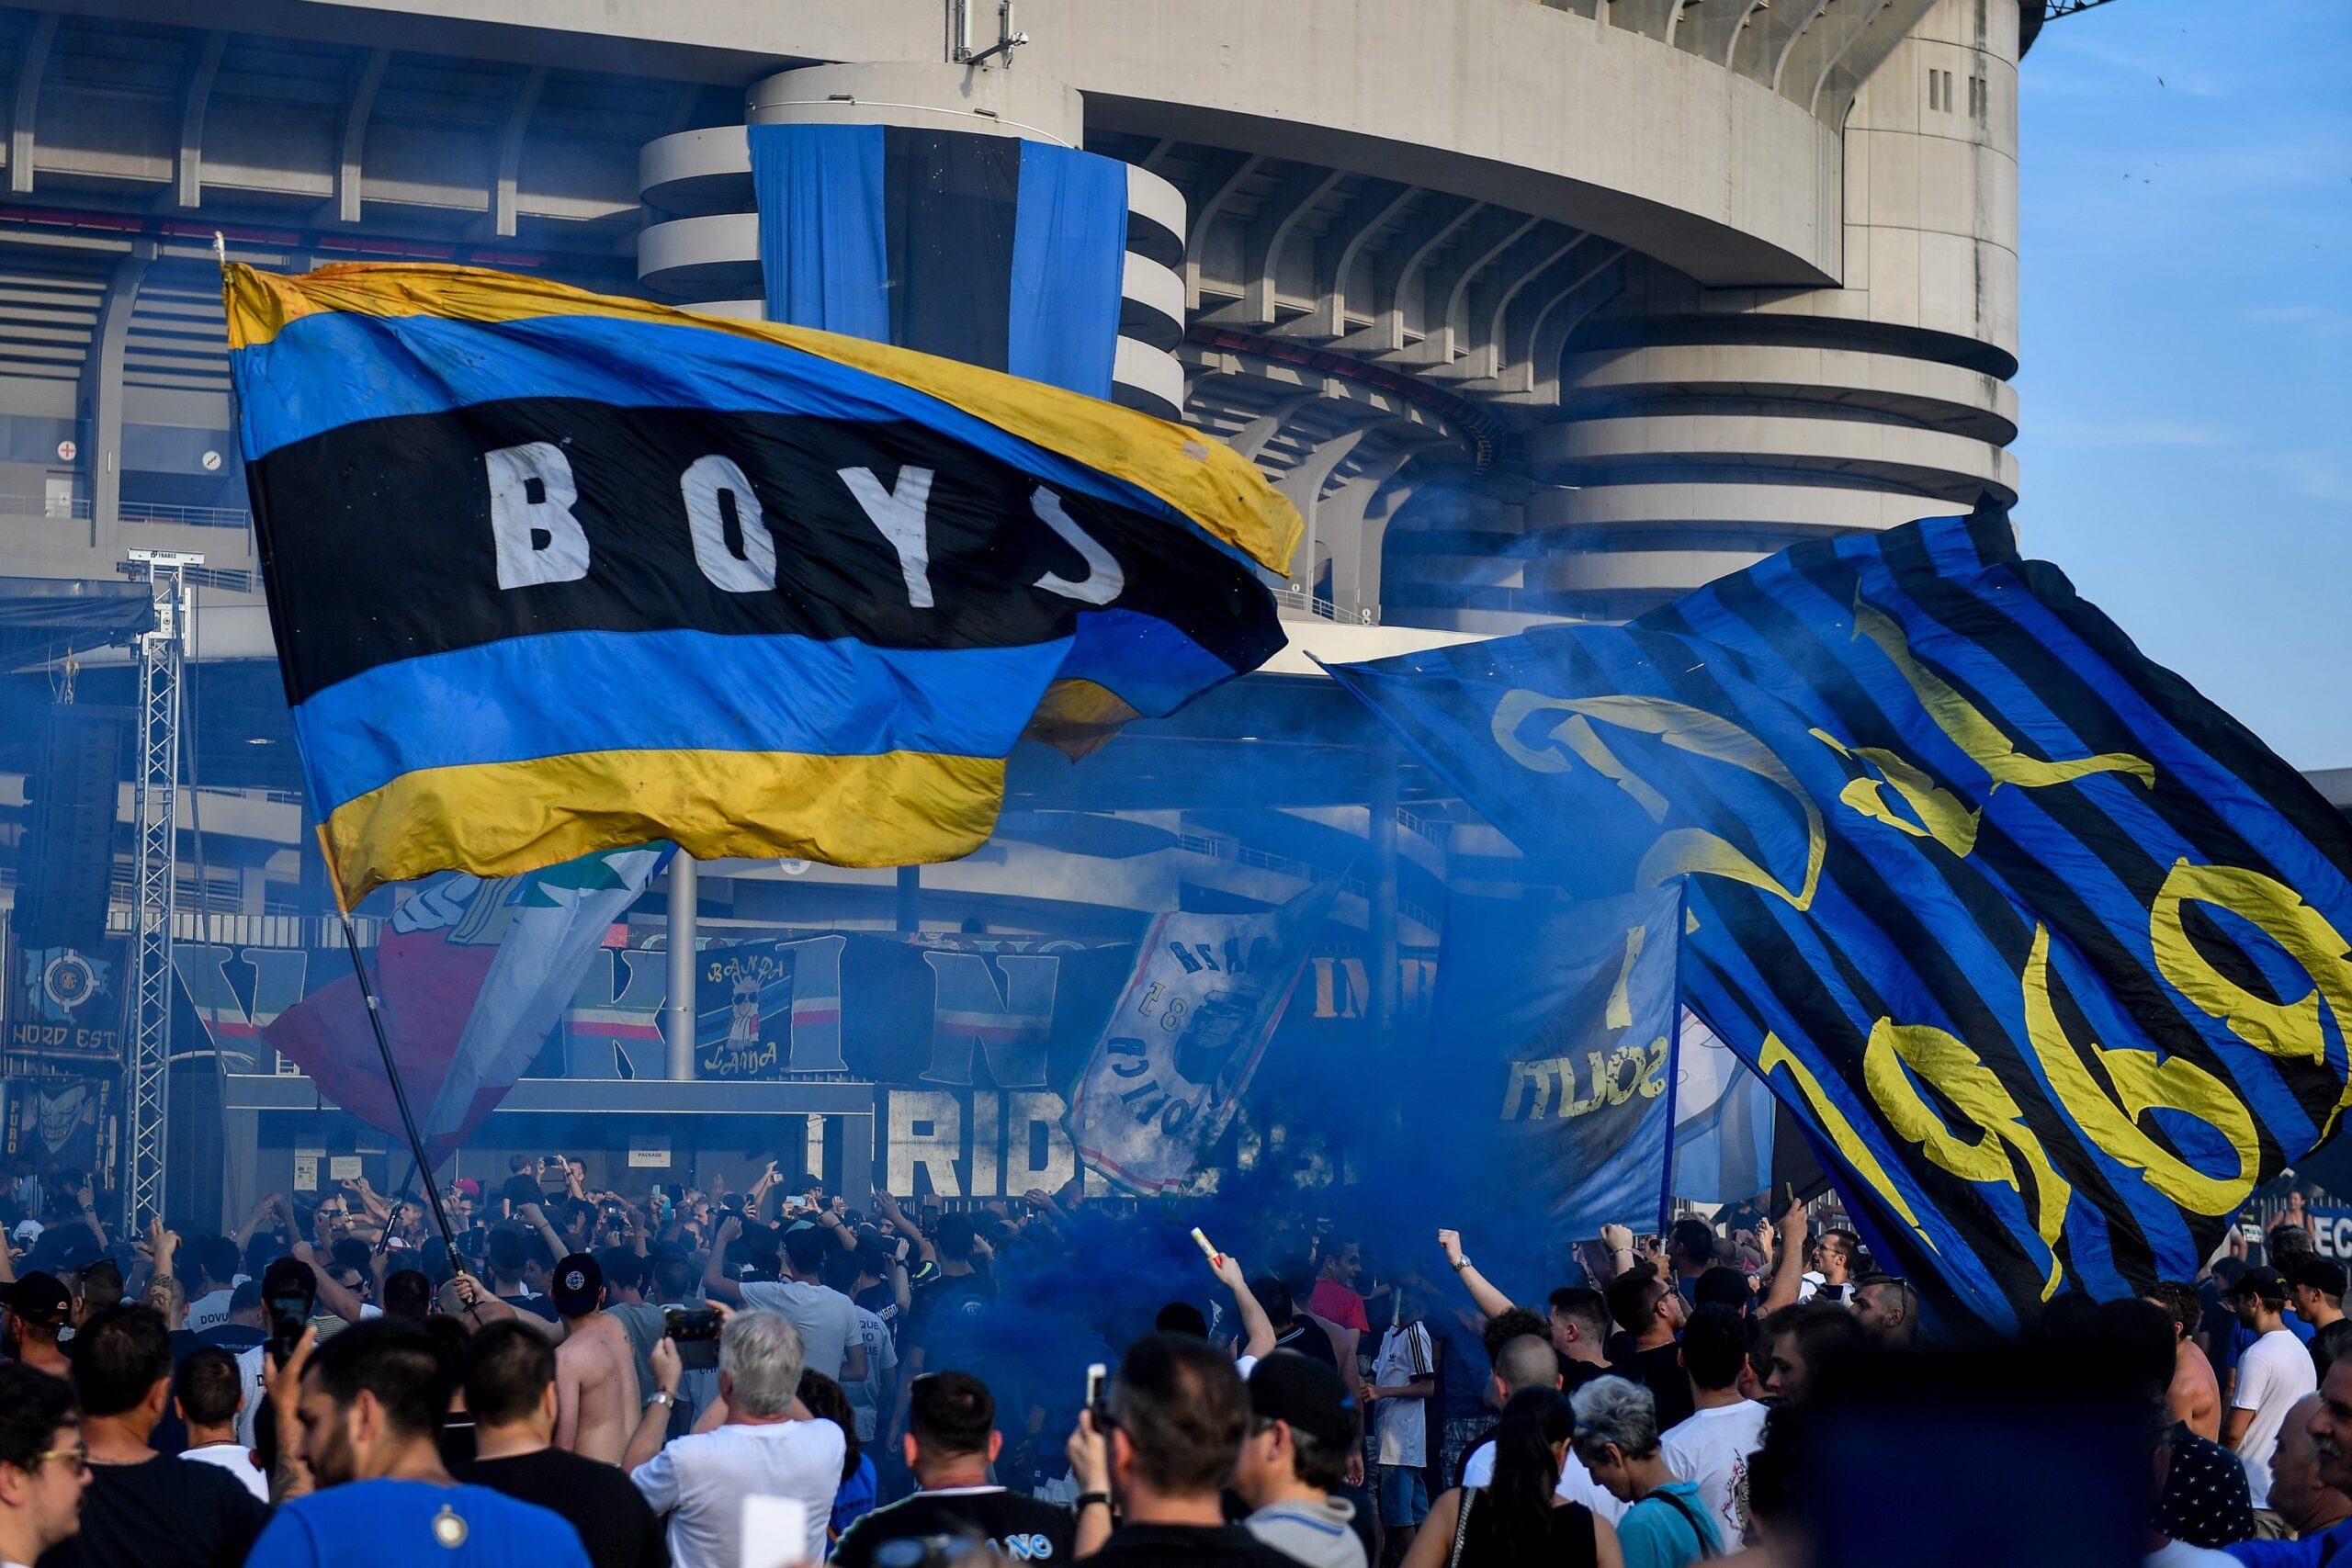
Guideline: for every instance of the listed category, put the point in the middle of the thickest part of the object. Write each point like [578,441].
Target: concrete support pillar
[856,1178]
[101,394]
[240,1161]
[909,905]
[1385,955]
[678,1010]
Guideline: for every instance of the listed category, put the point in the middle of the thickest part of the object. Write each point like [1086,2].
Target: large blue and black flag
[2047,951]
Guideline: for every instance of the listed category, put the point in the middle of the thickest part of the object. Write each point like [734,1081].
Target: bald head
[1522,1363]
[2296,1490]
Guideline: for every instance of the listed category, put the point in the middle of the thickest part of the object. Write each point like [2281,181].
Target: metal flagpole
[1673,1060]
[359,968]
[400,1095]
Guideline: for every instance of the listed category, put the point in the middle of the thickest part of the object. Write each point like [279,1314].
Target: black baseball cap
[578,1285]
[2264,1282]
[1305,1392]
[40,1298]
[2322,1274]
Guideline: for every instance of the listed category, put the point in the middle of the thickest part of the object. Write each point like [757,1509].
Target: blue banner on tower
[2048,951]
[994,250]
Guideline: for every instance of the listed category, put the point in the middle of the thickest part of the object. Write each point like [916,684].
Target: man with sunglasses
[43,1466]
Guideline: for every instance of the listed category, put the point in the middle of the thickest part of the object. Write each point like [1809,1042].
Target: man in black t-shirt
[1651,1311]
[1291,1332]
[1178,1415]
[509,1371]
[153,1509]
[951,1441]
[522,1187]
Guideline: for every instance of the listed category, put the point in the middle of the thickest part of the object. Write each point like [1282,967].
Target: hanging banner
[66,1121]
[1555,1089]
[65,1004]
[1206,994]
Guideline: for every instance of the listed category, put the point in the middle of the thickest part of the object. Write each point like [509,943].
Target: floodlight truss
[161,651]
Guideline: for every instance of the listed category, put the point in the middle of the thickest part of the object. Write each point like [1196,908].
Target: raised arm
[1258,1331]
[889,1208]
[1487,1299]
[1788,1262]
[333,1295]
[536,1218]
[716,1283]
[653,1425]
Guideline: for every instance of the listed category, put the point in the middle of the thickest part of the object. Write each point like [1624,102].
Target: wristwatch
[1461,1263]
[1086,1497]
[660,1396]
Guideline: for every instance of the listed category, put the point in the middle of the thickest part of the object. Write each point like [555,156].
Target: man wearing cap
[2273,1372]
[596,1368]
[1303,1426]
[39,1306]
[2315,1286]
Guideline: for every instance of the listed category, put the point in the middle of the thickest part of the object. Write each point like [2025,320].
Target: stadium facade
[1538,311]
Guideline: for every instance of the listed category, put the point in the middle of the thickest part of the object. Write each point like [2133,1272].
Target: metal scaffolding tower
[161,653]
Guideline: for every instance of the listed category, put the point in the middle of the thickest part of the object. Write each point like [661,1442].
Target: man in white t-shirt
[872,1394]
[825,1318]
[2273,1373]
[1404,1375]
[208,1391]
[216,1268]
[769,1445]
[1528,1362]
[1710,1448]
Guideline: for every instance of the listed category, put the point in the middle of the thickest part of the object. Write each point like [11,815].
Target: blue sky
[2185,184]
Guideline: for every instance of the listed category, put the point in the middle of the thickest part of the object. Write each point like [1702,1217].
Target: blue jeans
[1404,1495]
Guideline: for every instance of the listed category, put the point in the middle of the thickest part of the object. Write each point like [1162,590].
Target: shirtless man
[595,1369]
[2195,1394]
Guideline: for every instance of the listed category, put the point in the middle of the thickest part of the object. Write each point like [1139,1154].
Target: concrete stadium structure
[1540,309]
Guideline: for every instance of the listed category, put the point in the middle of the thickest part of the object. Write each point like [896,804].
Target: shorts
[1404,1495]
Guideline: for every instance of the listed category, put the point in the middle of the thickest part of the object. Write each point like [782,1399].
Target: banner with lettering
[1175,1058]
[1550,1084]
[65,1004]
[973,1040]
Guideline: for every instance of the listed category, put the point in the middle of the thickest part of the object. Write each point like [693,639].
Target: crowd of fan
[691,1377]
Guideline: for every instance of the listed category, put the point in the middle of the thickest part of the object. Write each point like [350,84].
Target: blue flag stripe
[510,701]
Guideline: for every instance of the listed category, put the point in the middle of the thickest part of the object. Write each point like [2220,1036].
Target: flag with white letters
[552,574]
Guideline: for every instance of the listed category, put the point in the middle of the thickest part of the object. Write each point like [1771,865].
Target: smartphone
[695,1331]
[1097,1375]
[288,1316]
[690,1322]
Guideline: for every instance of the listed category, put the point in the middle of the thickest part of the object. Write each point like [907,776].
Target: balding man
[2324,1420]
[1528,1362]
[2308,1505]
[1887,1308]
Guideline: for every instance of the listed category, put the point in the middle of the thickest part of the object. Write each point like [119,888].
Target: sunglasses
[75,1458]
